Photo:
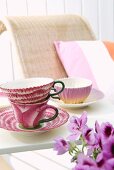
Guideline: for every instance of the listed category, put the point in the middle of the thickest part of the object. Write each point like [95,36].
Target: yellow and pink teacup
[76,90]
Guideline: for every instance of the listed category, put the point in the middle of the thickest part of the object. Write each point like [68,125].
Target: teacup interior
[26,83]
[30,128]
[75,82]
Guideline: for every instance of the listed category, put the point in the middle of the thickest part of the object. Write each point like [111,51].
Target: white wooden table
[11,142]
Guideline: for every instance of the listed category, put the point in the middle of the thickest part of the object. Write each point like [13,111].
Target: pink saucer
[8,121]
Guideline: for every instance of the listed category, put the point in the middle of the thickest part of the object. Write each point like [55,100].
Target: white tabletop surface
[11,142]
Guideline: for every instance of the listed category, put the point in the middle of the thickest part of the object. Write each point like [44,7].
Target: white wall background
[100,14]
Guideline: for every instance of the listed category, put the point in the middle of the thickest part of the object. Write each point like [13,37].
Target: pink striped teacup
[32,115]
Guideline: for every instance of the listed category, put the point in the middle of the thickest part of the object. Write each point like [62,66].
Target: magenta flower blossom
[81,167]
[97,127]
[106,130]
[96,151]
[85,160]
[98,133]
[76,126]
[61,145]
[108,148]
[91,139]
[109,165]
[100,160]
[103,163]
[89,136]
[85,163]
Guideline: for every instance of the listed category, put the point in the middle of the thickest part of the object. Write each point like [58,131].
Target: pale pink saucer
[8,121]
[95,96]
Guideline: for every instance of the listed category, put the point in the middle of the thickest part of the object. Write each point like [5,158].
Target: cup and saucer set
[78,93]
[29,109]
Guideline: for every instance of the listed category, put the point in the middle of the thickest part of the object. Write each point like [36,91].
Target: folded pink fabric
[74,60]
[89,59]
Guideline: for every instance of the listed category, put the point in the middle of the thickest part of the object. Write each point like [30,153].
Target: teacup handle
[56,93]
[51,118]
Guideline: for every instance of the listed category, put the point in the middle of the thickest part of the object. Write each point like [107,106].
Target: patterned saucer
[8,121]
[95,96]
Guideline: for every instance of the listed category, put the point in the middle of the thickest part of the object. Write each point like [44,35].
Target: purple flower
[89,136]
[92,140]
[103,163]
[97,150]
[100,160]
[97,127]
[108,148]
[106,130]
[85,160]
[81,167]
[85,163]
[85,167]
[109,165]
[103,132]
[61,145]
[77,125]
